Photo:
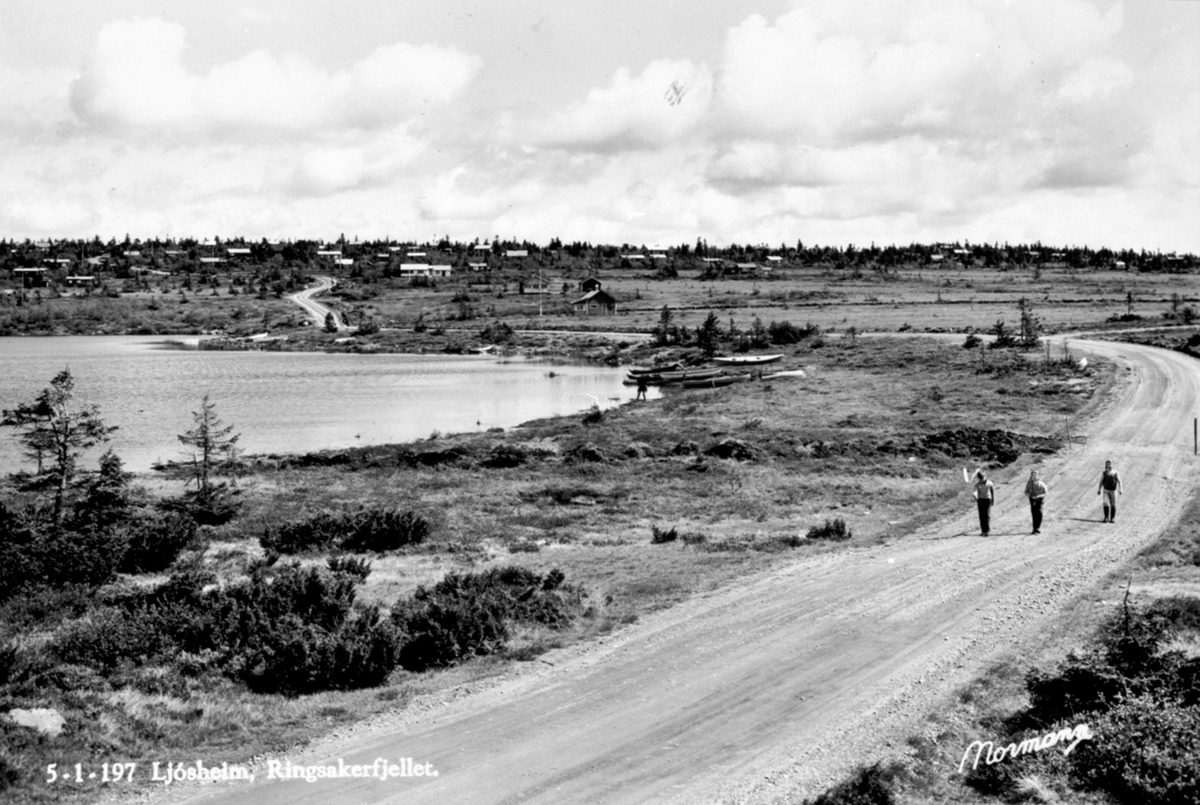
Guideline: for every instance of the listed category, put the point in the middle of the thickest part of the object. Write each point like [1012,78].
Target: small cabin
[595,302]
[588,285]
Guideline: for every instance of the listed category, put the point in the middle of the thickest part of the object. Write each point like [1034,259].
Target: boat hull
[747,360]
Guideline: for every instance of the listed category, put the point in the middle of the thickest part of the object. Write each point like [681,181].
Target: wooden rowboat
[635,371]
[747,360]
[715,382]
[677,377]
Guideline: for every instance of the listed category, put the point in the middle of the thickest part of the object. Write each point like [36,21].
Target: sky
[1070,122]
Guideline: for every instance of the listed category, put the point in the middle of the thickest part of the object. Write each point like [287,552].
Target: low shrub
[300,658]
[658,536]
[834,530]
[375,530]
[154,541]
[870,785]
[505,456]
[316,533]
[33,554]
[465,615]
[1148,754]
[784,332]
[10,773]
[353,566]
[109,637]
[381,530]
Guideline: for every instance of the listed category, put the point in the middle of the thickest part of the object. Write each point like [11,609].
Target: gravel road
[314,309]
[770,690]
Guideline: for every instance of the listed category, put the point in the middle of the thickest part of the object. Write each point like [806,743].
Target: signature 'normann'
[1071,737]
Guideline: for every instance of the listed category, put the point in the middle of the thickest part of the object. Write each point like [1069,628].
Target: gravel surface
[775,688]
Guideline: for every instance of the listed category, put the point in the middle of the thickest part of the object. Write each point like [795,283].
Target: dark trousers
[1035,508]
[985,510]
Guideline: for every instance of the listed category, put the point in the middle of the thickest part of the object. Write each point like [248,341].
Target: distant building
[517,253]
[541,285]
[597,302]
[424,270]
[589,284]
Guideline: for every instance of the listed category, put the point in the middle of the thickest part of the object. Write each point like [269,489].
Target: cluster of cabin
[66,265]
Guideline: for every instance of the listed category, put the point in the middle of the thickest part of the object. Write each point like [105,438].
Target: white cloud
[136,78]
[32,100]
[665,102]
[833,72]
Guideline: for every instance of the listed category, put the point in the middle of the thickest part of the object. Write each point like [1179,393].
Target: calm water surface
[288,402]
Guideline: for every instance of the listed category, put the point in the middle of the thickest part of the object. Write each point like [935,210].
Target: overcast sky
[1073,122]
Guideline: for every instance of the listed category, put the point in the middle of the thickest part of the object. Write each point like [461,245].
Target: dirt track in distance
[771,690]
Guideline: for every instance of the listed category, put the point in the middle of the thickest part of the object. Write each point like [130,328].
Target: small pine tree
[1031,326]
[708,335]
[330,323]
[212,443]
[55,434]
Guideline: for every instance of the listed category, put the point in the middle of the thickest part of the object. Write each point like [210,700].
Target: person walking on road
[985,496]
[1110,487]
[1035,490]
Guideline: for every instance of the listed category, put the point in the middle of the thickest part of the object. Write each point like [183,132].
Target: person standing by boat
[641,388]
[1110,487]
[985,496]
[1035,490]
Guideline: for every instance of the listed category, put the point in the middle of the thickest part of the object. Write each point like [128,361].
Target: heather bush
[300,658]
[381,530]
[1148,753]
[465,615]
[784,332]
[154,541]
[107,638]
[835,530]
[658,536]
[33,554]
[10,772]
[353,566]
[376,530]
[315,533]
[505,456]
[870,785]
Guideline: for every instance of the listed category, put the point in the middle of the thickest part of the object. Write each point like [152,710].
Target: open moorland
[288,598]
[393,303]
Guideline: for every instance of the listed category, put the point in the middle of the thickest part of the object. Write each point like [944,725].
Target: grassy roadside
[739,476]
[1124,659]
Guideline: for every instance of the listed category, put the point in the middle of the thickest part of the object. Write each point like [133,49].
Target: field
[639,507]
[923,299]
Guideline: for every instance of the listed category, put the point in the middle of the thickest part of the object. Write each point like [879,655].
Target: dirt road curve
[315,310]
[767,692]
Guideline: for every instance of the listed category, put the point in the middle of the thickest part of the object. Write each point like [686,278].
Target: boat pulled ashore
[746,360]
